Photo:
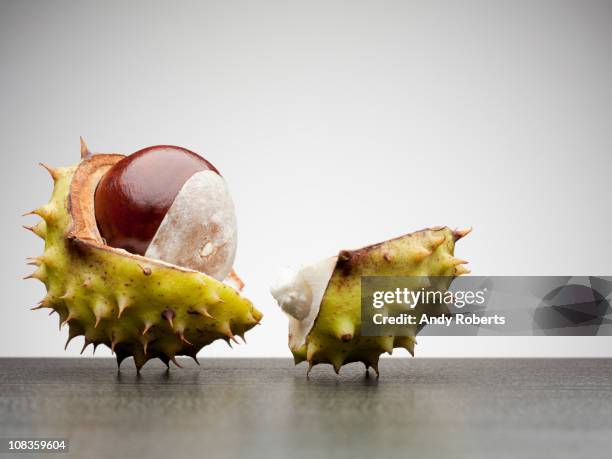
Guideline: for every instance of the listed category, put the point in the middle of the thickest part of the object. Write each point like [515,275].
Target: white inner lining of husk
[199,230]
[299,294]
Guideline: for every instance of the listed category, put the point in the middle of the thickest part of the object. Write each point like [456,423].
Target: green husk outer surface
[335,337]
[138,307]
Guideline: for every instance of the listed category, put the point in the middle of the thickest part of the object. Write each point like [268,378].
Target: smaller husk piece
[135,305]
[334,336]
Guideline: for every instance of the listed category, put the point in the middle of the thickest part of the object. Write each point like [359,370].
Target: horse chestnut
[168,203]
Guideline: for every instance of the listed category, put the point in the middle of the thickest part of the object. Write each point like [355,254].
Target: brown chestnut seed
[134,196]
[168,203]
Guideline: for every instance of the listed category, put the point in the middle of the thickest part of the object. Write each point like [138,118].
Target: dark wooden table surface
[268,408]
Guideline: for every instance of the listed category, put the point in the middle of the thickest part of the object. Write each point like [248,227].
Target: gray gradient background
[336,124]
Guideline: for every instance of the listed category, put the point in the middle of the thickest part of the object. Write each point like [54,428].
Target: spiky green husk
[335,336]
[136,306]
